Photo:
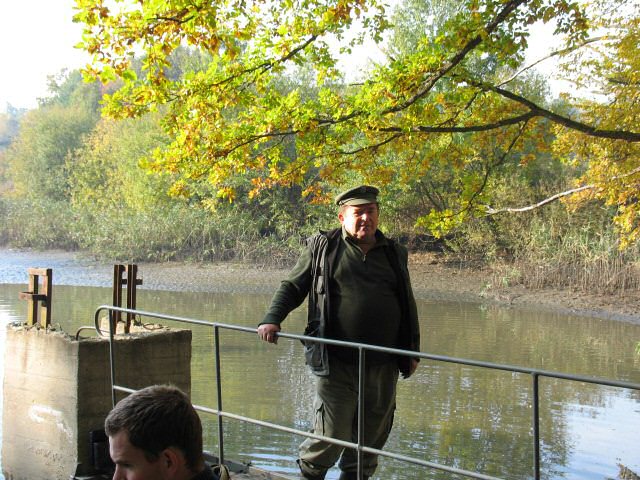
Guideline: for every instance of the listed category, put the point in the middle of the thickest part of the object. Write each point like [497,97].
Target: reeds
[602,275]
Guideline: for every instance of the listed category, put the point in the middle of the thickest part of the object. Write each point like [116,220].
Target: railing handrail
[395,351]
[361,347]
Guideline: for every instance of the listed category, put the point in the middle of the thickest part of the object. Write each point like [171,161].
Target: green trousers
[336,416]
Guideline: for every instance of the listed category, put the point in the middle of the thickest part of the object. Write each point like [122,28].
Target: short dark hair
[156,418]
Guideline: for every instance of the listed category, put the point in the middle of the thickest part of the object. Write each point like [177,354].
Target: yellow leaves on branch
[226,193]
[269,109]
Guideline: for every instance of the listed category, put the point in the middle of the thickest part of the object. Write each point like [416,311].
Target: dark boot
[310,476]
[351,476]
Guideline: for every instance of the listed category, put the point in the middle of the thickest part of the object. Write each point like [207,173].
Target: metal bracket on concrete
[124,275]
[38,294]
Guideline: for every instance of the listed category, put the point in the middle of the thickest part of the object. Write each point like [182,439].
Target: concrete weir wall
[57,389]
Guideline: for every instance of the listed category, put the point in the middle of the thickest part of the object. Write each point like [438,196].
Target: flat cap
[358,196]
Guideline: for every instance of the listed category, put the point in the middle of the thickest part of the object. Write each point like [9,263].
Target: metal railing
[359,446]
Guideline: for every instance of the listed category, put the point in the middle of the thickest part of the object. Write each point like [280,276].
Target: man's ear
[172,460]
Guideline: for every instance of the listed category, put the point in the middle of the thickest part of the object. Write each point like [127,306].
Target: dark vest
[324,248]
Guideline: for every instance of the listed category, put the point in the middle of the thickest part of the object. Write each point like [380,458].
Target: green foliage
[560,249]
[9,125]
[37,156]
[105,173]
[179,232]
[450,92]
[38,223]
[231,118]
[68,89]
[130,235]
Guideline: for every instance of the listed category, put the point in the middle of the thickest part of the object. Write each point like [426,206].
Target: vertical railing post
[536,427]
[112,358]
[361,419]
[216,338]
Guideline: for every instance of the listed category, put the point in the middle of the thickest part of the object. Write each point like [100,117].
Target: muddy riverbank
[432,278]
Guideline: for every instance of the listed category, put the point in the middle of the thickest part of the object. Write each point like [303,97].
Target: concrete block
[57,389]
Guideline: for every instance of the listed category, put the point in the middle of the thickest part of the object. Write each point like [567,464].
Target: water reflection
[465,417]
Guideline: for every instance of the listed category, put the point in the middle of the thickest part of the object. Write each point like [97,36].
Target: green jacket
[314,283]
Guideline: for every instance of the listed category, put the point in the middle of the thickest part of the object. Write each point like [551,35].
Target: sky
[37,39]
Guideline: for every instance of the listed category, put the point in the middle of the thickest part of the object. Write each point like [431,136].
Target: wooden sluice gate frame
[40,293]
[39,299]
[124,275]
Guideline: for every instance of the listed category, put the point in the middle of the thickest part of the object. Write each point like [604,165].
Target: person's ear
[171,460]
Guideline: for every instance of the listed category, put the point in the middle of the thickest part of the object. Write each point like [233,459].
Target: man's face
[131,462]
[360,221]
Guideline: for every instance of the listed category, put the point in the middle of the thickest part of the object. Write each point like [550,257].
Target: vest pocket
[315,354]
[312,350]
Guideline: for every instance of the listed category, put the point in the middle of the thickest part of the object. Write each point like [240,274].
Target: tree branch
[493,211]
[556,118]
[267,65]
[554,53]
[509,7]
[426,87]
[489,169]
[370,147]
[525,117]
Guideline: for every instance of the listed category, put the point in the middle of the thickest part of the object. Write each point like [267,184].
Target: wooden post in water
[124,275]
[37,297]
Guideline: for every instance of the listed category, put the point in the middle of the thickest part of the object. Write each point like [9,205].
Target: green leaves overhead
[272,105]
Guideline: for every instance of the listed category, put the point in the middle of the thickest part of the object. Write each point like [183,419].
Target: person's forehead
[121,448]
[363,207]
[119,442]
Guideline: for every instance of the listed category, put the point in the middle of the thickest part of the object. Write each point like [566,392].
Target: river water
[467,417]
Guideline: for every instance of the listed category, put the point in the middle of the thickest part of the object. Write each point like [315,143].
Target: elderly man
[358,286]
[156,434]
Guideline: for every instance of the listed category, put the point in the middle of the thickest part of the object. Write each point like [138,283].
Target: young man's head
[155,434]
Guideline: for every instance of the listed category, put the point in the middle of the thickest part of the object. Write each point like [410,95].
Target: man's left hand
[413,366]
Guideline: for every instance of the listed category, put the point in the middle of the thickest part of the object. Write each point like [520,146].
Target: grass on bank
[555,251]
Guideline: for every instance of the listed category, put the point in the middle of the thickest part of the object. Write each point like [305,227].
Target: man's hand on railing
[413,367]
[268,332]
